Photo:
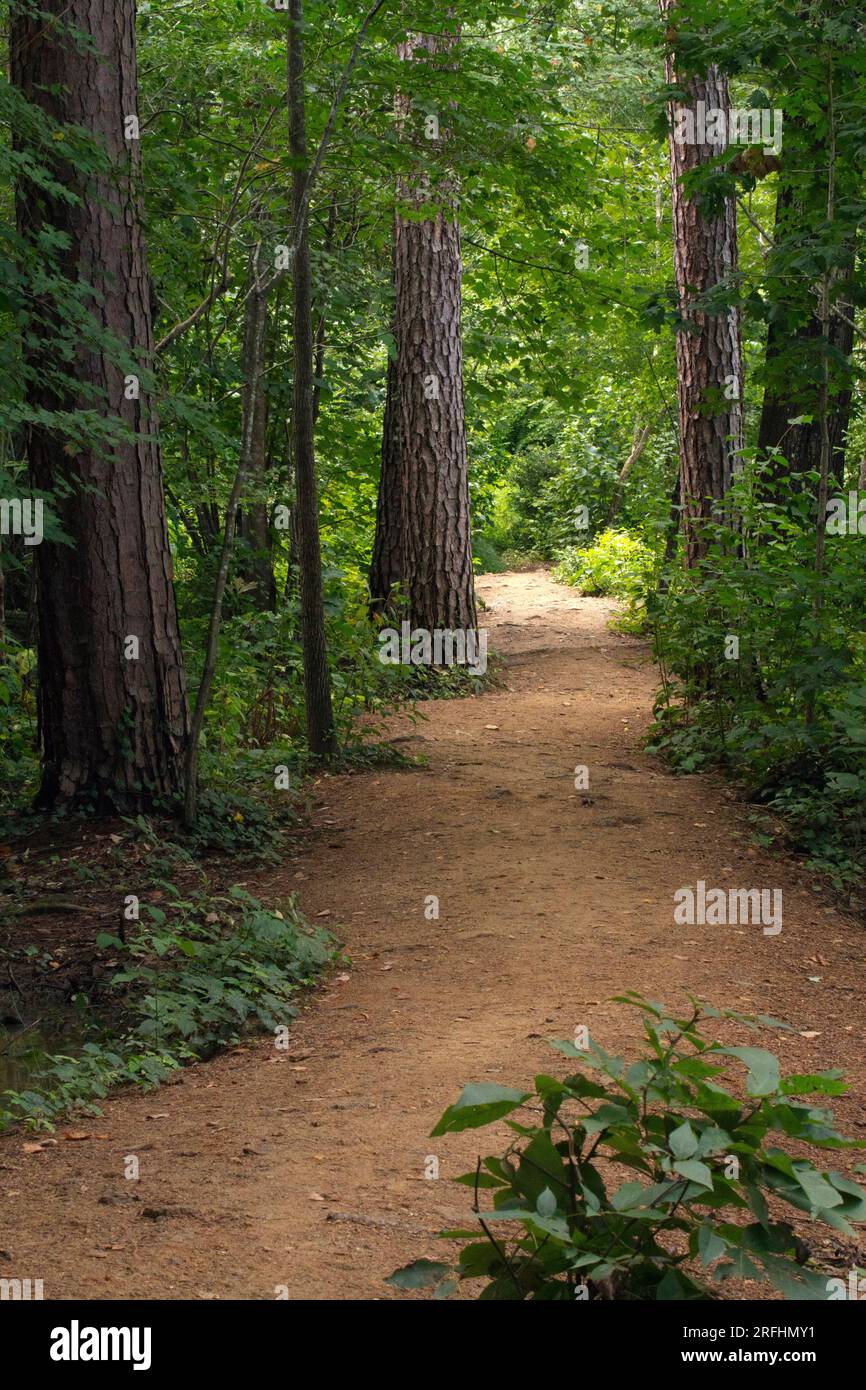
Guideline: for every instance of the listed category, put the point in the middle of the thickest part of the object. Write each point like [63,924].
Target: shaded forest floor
[305,1168]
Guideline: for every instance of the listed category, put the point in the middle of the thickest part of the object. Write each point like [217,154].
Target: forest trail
[306,1169]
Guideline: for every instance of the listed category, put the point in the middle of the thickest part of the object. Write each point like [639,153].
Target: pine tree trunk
[709,362]
[321,734]
[112,726]
[438,578]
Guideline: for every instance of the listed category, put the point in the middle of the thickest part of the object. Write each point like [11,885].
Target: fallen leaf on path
[76,1134]
[32,1149]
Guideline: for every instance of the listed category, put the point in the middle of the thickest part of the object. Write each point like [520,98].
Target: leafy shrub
[617,564]
[18,761]
[543,461]
[486,556]
[200,973]
[787,716]
[622,1178]
[199,977]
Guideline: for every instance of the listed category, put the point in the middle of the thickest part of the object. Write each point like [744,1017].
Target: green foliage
[650,1179]
[17,723]
[617,564]
[256,717]
[548,464]
[198,978]
[486,557]
[200,971]
[788,715]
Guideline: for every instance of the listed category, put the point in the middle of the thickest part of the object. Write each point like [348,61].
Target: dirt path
[306,1169]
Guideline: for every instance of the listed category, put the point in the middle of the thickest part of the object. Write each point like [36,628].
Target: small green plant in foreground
[623,1179]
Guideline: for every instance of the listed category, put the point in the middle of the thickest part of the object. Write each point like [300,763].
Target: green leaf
[480,1103]
[422,1274]
[763,1075]
[104,940]
[605,1117]
[710,1245]
[683,1141]
[546,1203]
[820,1193]
[695,1171]
[446,1289]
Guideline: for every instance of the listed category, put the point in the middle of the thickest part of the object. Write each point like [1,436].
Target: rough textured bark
[317,680]
[708,345]
[111,728]
[437,552]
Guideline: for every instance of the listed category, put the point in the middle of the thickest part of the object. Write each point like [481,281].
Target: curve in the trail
[304,1172]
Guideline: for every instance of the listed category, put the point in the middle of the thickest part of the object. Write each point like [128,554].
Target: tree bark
[321,734]
[437,576]
[112,726]
[709,361]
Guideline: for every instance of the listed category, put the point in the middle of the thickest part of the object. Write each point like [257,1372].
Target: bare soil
[305,1169]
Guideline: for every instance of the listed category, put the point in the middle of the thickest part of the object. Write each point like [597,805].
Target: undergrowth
[195,972]
[649,1180]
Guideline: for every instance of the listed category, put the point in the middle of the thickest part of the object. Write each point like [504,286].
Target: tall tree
[425,425]
[321,733]
[709,363]
[113,711]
